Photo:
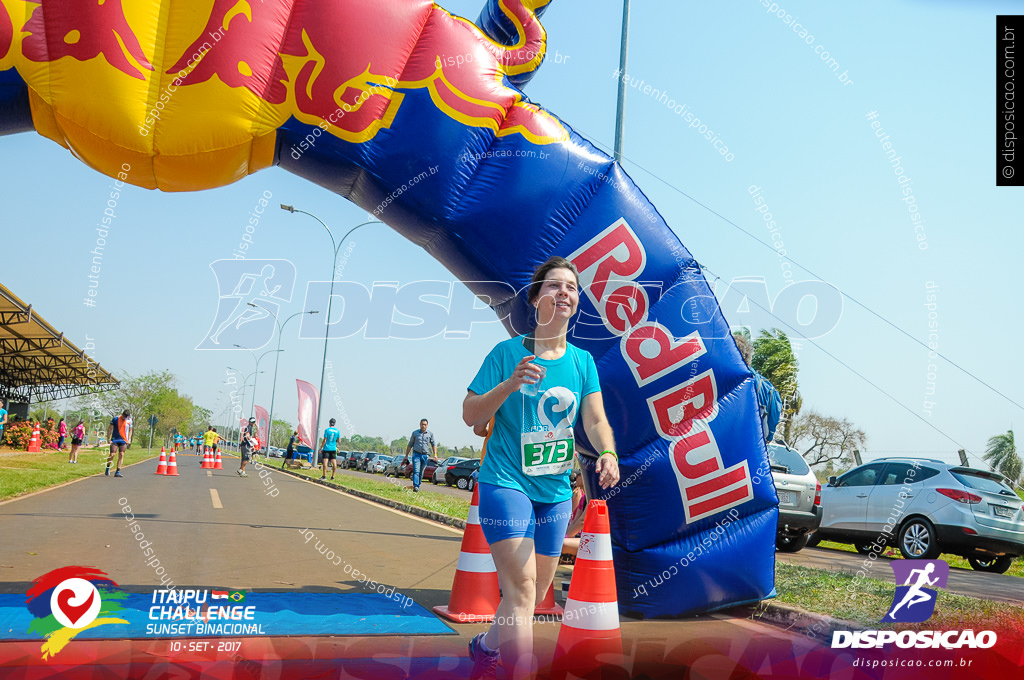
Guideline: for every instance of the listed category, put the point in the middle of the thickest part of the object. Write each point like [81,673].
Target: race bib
[547,453]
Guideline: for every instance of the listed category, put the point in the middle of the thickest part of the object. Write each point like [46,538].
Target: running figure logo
[913,601]
[251,293]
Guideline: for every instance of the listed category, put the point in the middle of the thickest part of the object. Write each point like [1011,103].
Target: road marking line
[216,498]
[209,474]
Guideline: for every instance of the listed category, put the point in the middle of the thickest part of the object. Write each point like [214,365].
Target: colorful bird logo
[70,600]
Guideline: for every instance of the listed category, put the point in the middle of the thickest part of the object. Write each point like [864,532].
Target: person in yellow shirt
[210,439]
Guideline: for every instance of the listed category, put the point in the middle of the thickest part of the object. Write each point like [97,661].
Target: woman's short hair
[539,276]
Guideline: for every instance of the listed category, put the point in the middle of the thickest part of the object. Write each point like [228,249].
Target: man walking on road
[422,444]
[329,449]
[119,434]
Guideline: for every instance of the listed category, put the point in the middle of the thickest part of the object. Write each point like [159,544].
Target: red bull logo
[609,265]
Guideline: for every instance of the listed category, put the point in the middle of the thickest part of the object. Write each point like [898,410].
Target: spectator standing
[77,435]
[62,433]
[3,418]
[422,444]
[289,452]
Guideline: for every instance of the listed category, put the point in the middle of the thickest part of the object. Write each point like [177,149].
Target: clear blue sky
[794,129]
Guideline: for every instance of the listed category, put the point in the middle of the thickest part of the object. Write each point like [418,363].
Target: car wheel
[433,478]
[462,483]
[790,544]
[918,541]
[813,539]
[863,548]
[995,565]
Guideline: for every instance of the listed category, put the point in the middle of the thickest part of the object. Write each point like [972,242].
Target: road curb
[818,627]
[389,502]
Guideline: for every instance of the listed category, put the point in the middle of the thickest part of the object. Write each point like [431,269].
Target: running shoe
[485,664]
[245,474]
[107,472]
[117,473]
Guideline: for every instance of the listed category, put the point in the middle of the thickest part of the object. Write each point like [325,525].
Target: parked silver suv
[925,508]
[799,497]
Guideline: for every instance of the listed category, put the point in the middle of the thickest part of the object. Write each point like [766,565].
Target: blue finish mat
[258,614]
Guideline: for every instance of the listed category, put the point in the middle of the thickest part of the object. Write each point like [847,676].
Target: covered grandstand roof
[37,363]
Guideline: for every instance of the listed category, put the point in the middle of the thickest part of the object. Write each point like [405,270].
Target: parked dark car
[354,458]
[459,474]
[394,467]
[428,470]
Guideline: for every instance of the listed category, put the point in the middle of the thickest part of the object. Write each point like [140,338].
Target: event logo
[913,602]
[251,293]
[70,600]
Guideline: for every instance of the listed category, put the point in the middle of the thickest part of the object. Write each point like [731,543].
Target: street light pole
[277,359]
[327,324]
[620,107]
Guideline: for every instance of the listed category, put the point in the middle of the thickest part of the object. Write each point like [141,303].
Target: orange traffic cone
[548,607]
[217,465]
[590,638]
[207,459]
[161,466]
[35,441]
[474,597]
[172,466]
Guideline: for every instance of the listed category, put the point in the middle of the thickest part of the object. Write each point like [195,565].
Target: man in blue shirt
[422,444]
[329,449]
[3,418]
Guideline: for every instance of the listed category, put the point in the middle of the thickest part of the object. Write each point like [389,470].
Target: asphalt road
[213,529]
[999,587]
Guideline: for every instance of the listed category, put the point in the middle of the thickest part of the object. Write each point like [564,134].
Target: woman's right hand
[525,373]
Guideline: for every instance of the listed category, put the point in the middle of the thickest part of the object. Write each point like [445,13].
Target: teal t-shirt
[3,412]
[566,382]
[331,437]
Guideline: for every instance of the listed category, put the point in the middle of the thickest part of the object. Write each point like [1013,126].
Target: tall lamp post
[620,107]
[252,408]
[245,381]
[327,325]
[277,359]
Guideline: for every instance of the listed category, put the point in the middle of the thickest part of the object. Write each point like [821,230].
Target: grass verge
[1016,567]
[866,601]
[27,472]
[395,490]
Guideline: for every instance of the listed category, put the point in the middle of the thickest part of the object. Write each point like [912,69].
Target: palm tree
[1001,453]
[773,358]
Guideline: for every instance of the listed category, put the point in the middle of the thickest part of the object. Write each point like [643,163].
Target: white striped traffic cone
[172,466]
[475,596]
[590,637]
[161,466]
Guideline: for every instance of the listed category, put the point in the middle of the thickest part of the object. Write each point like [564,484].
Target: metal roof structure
[37,363]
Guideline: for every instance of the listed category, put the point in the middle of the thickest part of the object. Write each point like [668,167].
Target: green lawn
[396,489]
[866,601]
[28,472]
[1016,568]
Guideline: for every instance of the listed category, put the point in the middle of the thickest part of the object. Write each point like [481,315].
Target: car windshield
[979,482]
[780,455]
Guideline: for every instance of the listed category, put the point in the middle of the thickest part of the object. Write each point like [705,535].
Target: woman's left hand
[607,470]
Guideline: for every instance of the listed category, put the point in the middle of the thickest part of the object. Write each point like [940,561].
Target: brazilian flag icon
[237,595]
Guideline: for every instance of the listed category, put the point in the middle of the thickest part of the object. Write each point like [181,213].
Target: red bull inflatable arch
[360,96]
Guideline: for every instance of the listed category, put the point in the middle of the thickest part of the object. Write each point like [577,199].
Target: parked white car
[438,476]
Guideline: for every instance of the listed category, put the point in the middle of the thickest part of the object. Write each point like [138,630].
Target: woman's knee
[520,590]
